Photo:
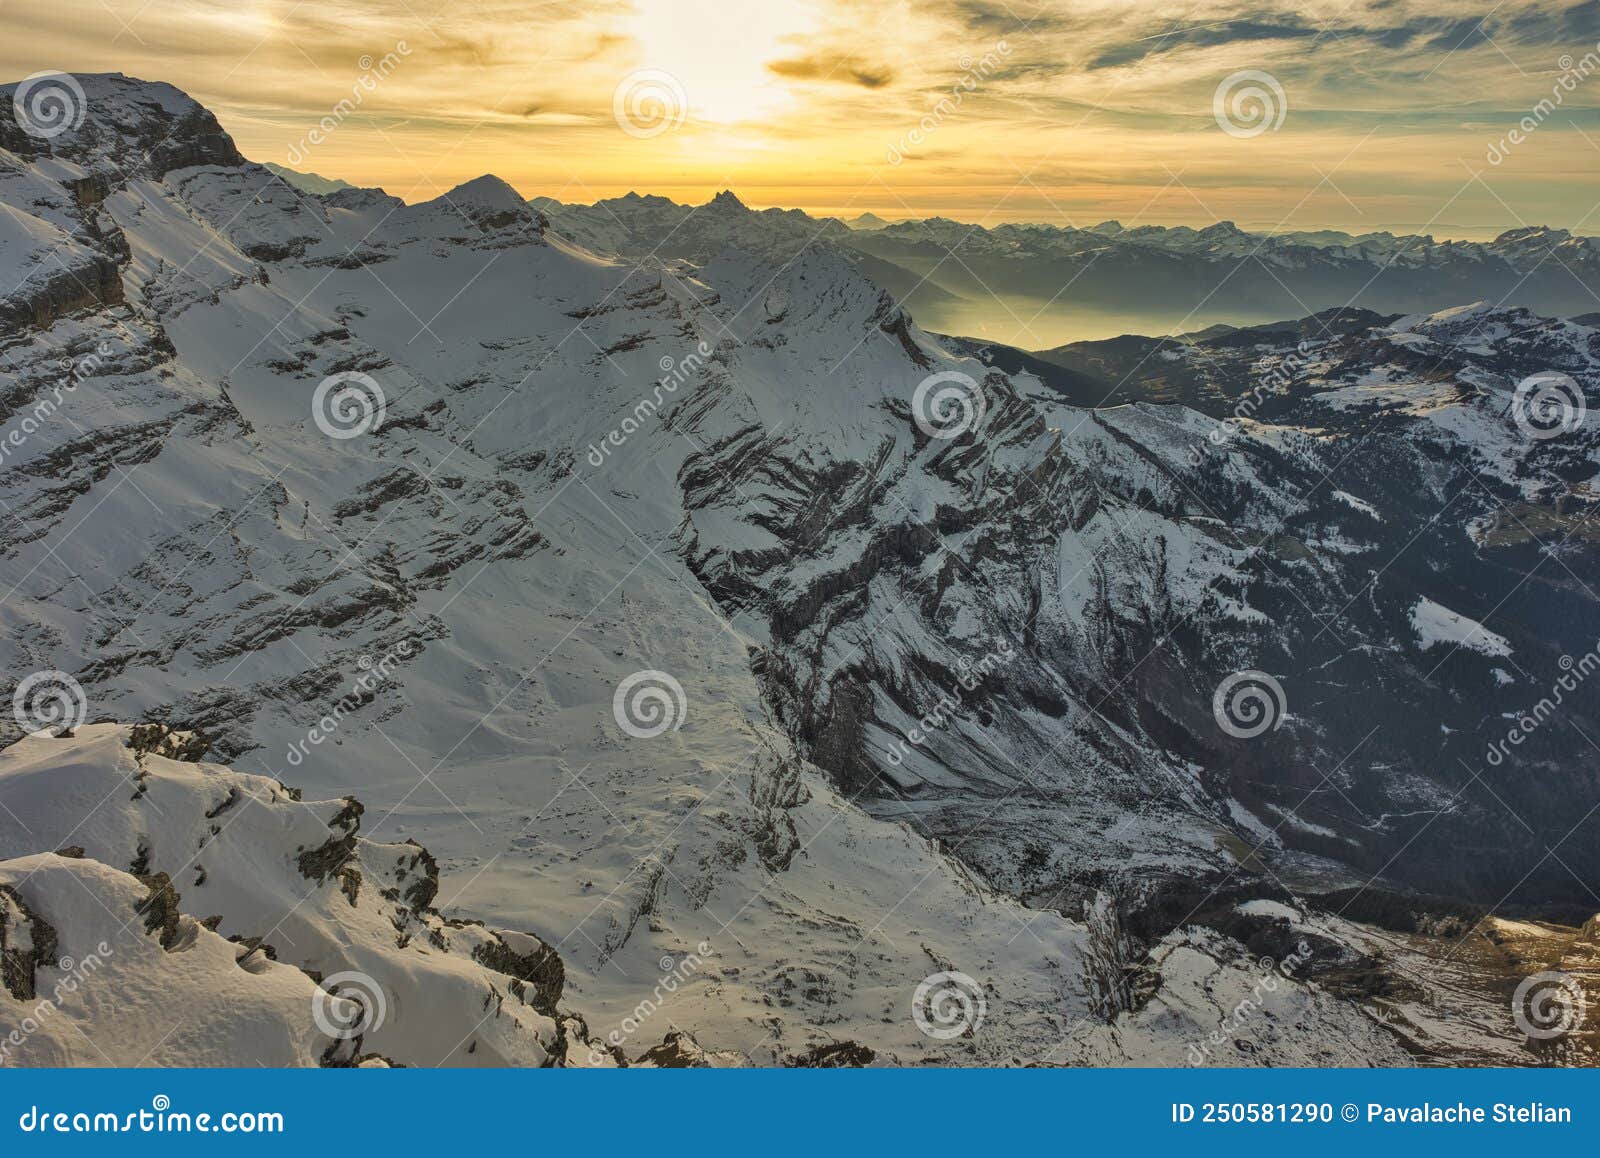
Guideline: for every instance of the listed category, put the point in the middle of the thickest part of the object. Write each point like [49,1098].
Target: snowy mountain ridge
[1110,266]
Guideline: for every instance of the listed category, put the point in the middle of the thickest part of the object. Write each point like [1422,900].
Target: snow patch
[1437,625]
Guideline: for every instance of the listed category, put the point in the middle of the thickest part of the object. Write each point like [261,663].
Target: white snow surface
[1437,626]
[233,847]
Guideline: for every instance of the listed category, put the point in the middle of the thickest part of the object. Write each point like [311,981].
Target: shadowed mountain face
[1350,466]
[700,597]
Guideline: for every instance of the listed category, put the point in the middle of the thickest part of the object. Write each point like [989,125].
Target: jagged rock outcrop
[206,842]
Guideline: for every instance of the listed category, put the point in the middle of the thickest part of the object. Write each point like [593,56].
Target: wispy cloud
[1096,105]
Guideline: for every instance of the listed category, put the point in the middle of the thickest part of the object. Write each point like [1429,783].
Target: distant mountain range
[1218,269]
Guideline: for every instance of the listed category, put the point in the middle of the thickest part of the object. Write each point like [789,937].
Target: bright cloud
[1095,108]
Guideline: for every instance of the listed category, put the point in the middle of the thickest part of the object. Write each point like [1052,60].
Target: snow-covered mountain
[1549,270]
[631,225]
[1145,268]
[308,182]
[808,688]
[659,229]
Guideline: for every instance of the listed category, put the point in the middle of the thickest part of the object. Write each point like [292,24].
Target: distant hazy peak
[307,182]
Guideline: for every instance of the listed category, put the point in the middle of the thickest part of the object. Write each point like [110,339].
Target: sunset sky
[1071,112]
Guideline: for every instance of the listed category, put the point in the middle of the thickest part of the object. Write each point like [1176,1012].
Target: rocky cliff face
[763,656]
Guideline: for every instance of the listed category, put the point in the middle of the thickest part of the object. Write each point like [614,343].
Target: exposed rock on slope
[193,888]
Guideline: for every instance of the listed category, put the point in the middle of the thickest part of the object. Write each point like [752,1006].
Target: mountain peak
[487,190]
[112,123]
[867,220]
[726,200]
[1532,233]
[489,201]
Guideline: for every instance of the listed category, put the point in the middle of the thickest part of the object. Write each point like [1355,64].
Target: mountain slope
[231,882]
